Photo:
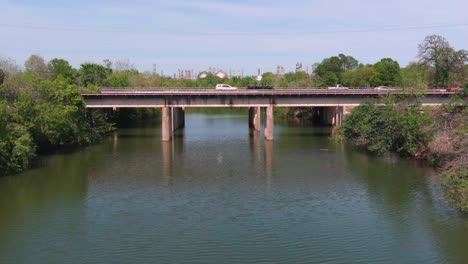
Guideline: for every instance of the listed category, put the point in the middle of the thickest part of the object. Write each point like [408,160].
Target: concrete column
[328,116]
[251,109]
[182,117]
[178,118]
[336,117]
[166,123]
[173,120]
[256,118]
[339,113]
[269,123]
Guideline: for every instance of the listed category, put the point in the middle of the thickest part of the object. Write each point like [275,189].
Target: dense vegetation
[396,126]
[401,125]
[439,135]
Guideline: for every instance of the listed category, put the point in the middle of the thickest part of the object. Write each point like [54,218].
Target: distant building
[202,75]
[299,67]
[220,74]
[280,70]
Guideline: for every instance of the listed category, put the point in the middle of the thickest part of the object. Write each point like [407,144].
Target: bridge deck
[250,92]
[117,98]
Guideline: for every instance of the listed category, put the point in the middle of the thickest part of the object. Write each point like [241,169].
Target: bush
[455,184]
[388,128]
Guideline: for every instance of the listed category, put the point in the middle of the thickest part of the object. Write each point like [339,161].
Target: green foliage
[415,78]
[268,78]
[329,79]
[388,128]
[336,65]
[362,77]
[2,76]
[48,115]
[61,67]
[16,145]
[455,184]
[93,74]
[387,72]
[36,65]
[118,79]
[435,51]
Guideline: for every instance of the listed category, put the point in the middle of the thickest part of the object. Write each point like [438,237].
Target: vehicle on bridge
[260,87]
[382,88]
[455,88]
[386,88]
[338,87]
[223,86]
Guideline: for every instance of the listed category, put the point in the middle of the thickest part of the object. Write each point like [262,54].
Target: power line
[227,34]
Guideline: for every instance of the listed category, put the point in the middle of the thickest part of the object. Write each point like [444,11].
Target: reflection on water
[219,193]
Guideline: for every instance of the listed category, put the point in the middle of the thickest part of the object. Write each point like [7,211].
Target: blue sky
[243,34]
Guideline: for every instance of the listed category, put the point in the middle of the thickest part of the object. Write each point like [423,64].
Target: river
[220,194]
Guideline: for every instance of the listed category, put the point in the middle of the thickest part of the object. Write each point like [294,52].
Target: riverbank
[401,125]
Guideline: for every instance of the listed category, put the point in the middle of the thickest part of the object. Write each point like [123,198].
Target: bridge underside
[331,106]
[292,101]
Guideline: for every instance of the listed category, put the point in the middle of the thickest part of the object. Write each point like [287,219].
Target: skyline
[226,34]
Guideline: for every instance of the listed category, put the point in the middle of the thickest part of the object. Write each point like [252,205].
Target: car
[338,87]
[382,88]
[260,87]
[223,86]
[455,88]
[387,88]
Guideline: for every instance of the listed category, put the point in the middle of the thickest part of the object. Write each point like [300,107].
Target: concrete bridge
[332,105]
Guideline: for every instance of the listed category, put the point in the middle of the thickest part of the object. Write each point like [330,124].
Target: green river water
[220,194]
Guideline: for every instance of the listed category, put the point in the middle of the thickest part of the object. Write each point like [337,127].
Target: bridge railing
[290,91]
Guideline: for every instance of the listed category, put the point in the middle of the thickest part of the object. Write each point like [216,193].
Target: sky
[236,35]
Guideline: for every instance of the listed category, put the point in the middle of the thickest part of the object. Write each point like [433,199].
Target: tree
[414,77]
[336,65]
[9,66]
[94,74]
[329,79]
[436,52]
[362,77]
[387,72]
[60,67]
[2,76]
[118,79]
[388,127]
[36,65]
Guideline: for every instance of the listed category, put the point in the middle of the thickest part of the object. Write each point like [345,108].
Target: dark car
[260,87]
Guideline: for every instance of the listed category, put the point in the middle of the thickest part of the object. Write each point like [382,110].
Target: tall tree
[362,77]
[436,51]
[60,67]
[387,72]
[336,65]
[36,65]
[2,76]
[91,73]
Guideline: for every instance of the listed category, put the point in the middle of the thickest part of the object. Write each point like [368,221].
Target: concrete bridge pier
[339,114]
[178,118]
[332,116]
[172,118]
[254,118]
[269,123]
[166,126]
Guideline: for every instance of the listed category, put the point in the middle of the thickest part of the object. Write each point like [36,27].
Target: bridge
[332,105]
